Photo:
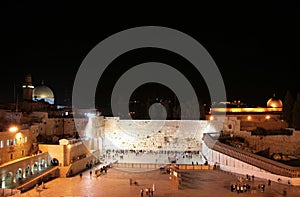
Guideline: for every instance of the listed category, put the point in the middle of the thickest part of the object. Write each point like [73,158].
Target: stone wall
[266,124]
[277,143]
[55,151]
[156,135]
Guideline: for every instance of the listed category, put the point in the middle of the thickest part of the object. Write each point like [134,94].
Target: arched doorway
[19,174]
[9,179]
[27,171]
[42,164]
[35,167]
[54,162]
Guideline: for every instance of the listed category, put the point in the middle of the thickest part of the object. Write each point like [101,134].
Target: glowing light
[19,135]
[69,146]
[268,117]
[249,117]
[236,110]
[211,118]
[13,129]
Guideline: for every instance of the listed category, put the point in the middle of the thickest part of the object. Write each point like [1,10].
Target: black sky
[255,45]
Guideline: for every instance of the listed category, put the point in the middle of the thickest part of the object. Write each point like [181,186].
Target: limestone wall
[55,151]
[277,143]
[266,124]
[75,151]
[157,135]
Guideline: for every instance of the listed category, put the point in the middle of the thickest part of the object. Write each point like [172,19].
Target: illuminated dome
[274,102]
[43,92]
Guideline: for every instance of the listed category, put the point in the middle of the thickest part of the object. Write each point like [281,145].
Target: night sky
[255,45]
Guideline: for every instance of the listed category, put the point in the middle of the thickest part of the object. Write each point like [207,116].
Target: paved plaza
[116,184]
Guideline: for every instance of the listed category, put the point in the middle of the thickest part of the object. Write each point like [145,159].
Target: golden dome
[274,102]
[42,92]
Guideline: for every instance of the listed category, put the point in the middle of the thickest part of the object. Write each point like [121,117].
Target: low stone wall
[195,167]
[10,192]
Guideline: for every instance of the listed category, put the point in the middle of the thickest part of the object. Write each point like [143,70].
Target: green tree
[296,113]
[287,108]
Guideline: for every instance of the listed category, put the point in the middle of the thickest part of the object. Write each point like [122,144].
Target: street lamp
[13,129]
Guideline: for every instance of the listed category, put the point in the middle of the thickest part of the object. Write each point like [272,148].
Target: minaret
[27,88]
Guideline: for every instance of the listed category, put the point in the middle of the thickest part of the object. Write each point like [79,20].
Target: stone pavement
[116,184]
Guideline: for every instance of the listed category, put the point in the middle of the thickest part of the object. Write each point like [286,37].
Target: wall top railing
[250,158]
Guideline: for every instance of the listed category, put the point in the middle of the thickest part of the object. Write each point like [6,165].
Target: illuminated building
[43,92]
[268,117]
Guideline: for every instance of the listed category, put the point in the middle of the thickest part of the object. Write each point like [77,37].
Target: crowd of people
[240,188]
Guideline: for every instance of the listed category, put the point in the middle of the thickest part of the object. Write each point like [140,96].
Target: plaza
[116,184]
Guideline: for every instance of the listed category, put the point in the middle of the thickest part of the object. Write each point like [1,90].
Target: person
[284,192]
[263,187]
[269,182]
[91,173]
[36,187]
[232,188]
[142,192]
[80,175]
[130,181]
[43,186]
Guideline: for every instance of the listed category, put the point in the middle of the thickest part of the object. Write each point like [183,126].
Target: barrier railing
[137,165]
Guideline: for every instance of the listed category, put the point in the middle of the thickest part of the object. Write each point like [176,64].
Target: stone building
[16,143]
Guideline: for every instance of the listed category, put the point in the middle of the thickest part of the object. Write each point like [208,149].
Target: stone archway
[42,164]
[54,162]
[9,179]
[35,167]
[19,174]
[27,171]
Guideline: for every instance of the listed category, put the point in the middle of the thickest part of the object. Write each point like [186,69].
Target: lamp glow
[13,129]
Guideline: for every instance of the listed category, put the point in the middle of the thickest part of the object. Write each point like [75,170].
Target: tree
[296,113]
[287,109]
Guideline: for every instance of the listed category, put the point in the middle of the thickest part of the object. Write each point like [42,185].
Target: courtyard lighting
[13,129]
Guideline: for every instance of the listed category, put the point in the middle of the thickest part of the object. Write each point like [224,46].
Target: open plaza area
[116,183]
